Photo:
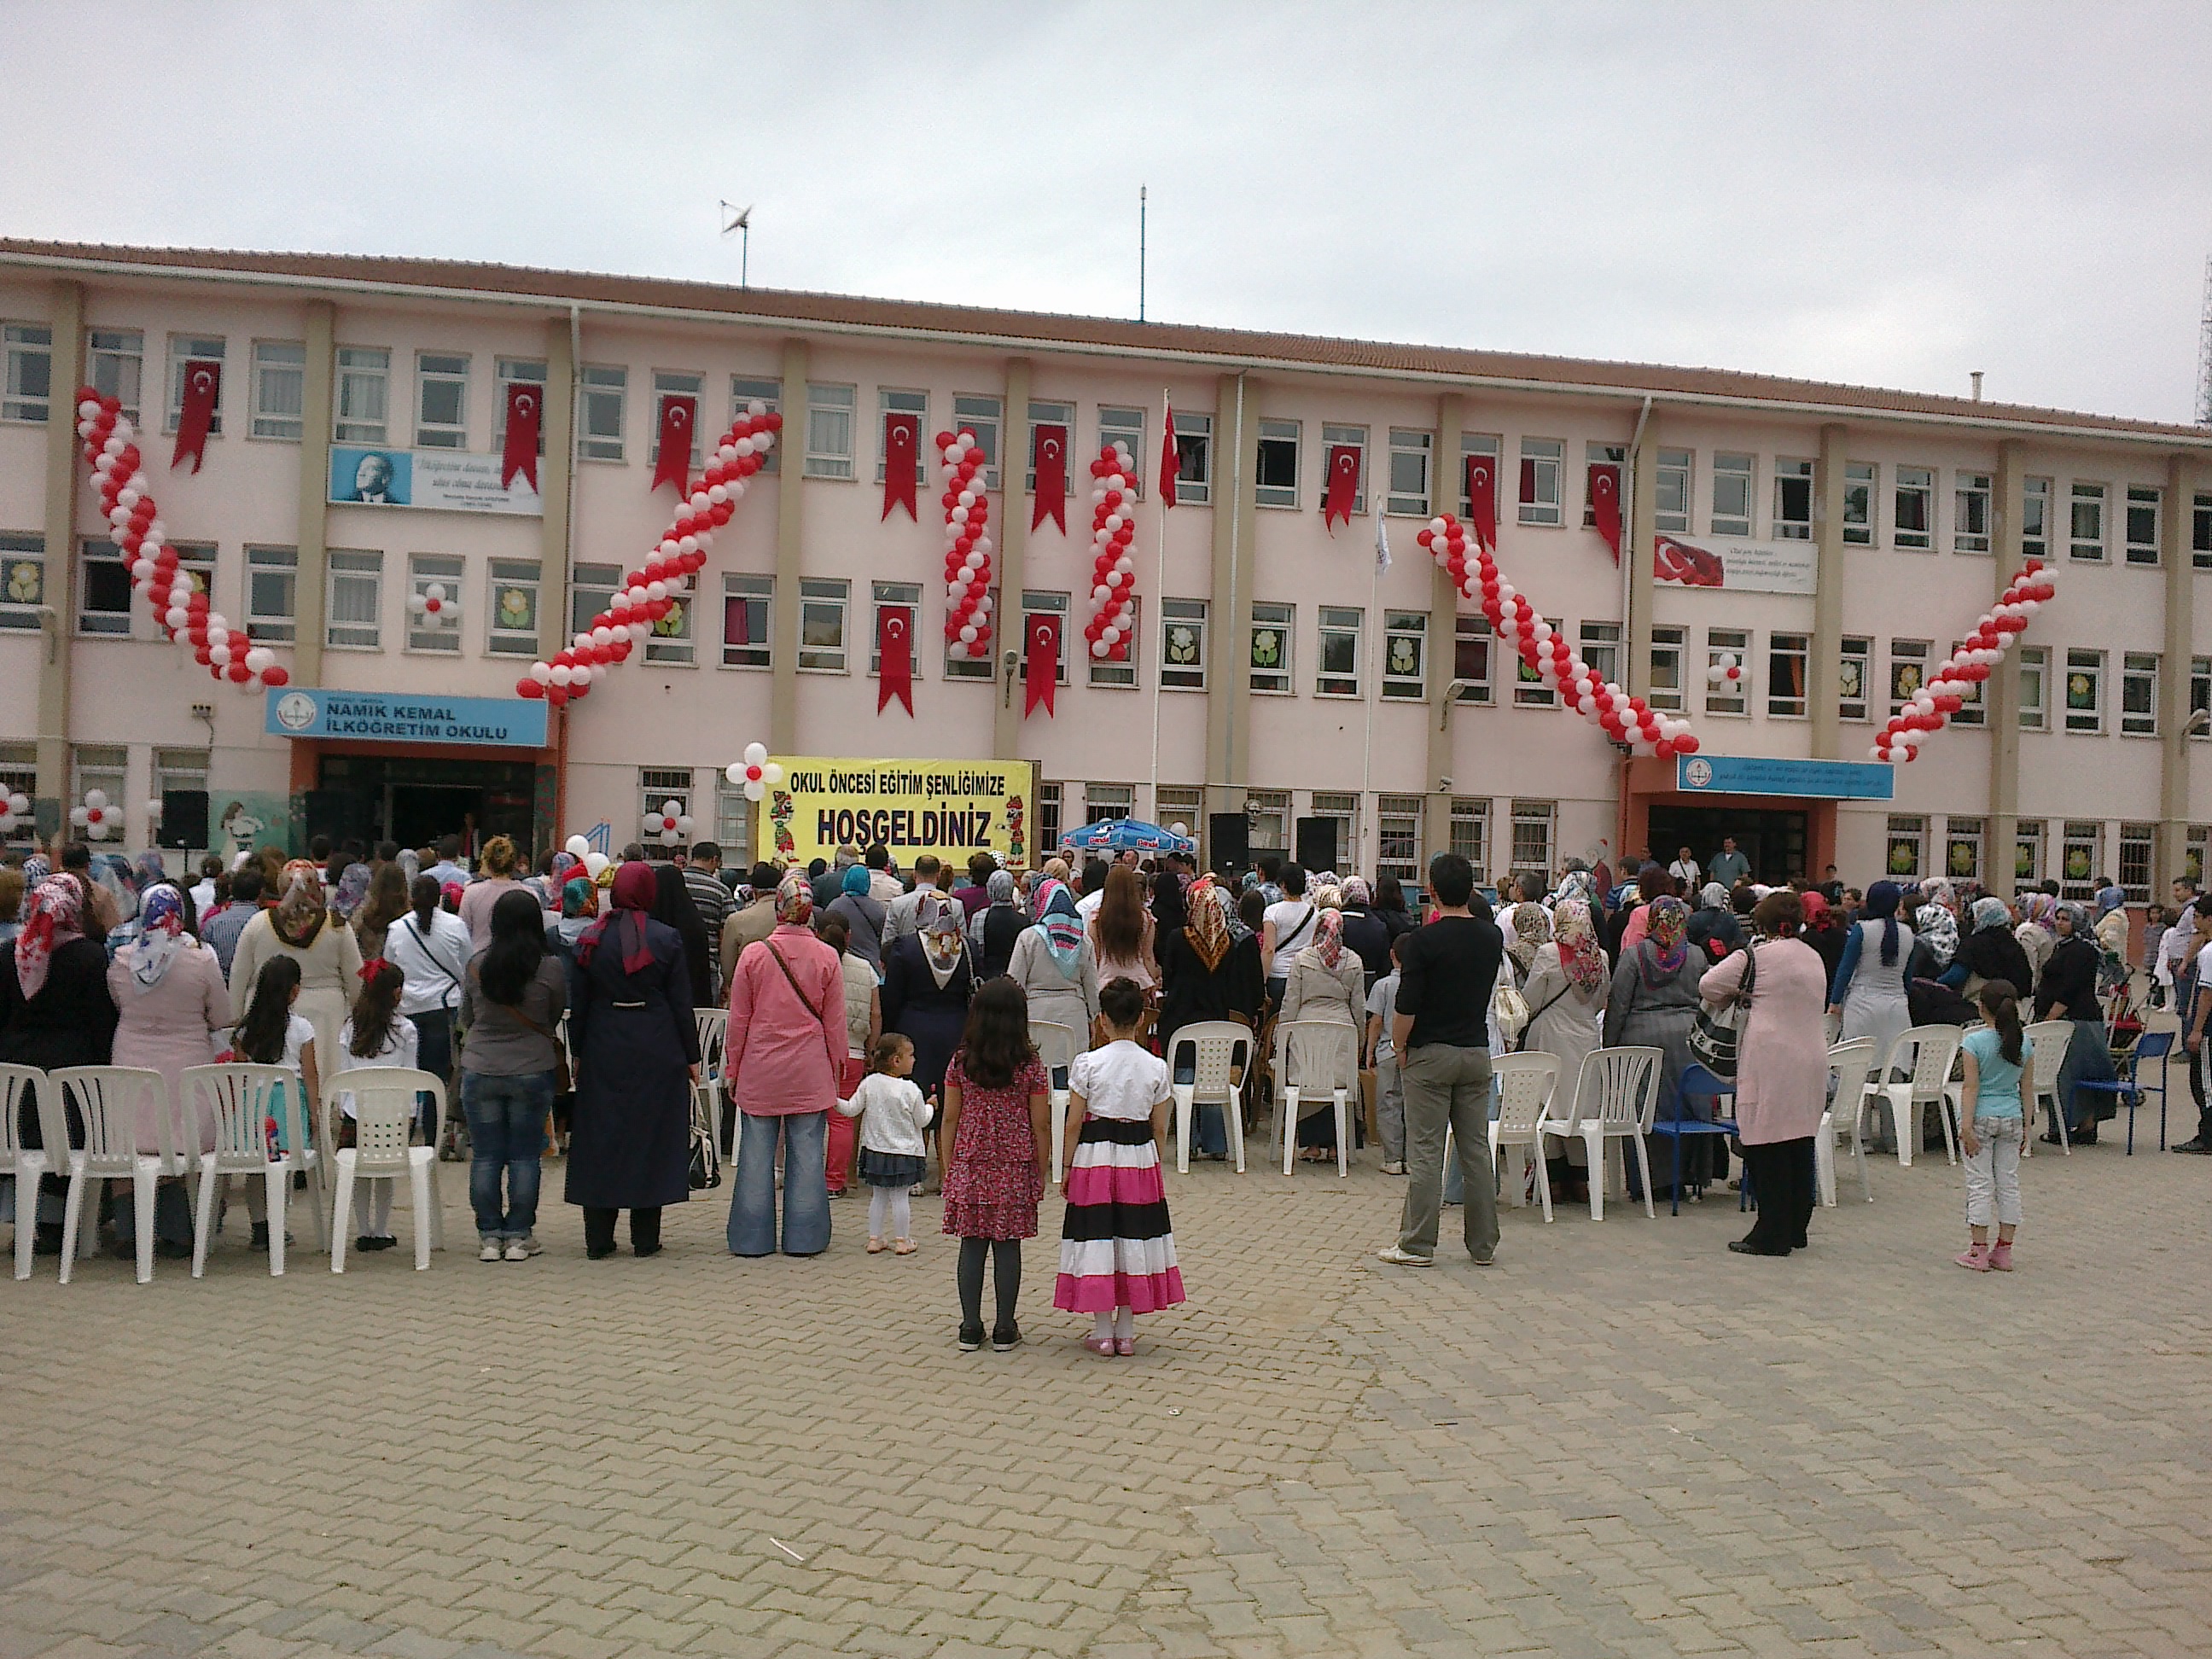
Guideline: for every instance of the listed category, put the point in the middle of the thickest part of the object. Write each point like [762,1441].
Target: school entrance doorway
[1773,841]
[417,799]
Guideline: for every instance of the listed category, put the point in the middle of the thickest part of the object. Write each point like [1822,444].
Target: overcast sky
[1890,194]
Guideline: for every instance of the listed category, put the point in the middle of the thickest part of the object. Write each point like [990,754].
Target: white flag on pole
[1382,545]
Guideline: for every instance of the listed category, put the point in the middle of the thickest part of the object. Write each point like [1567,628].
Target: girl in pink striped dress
[1117,1254]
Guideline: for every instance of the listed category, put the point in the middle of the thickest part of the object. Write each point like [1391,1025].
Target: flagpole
[1159,591]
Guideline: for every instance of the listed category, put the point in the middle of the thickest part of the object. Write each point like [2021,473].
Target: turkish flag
[901,437]
[1041,672]
[672,460]
[1048,456]
[895,645]
[1170,462]
[526,408]
[1605,503]
[1482,499]
[202,385]
[1343,483]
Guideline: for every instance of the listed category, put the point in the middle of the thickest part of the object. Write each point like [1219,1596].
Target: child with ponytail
[1997,1059]
[376,1034]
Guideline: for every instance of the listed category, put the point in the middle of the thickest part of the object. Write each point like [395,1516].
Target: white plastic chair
[1525,1082]
[714,1032]
[384,1112]
[237,1100]
[1848,1065]
[1616,1098]
[1324,1045]
[21,1085]
[1221,1056]
[2052,1038]
[1927,1053]
[1056,1046]
[111,1100]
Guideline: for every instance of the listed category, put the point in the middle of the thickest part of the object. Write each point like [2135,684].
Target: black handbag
[1717,1033]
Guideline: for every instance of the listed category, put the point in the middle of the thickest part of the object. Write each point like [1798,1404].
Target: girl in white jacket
[893,1154]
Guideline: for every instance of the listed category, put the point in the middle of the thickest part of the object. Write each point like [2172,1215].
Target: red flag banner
[901,437]
[1041,672]
[1482,498]
[526,408]
[1170,462]
[1605,504]
[895,645]
[1343,483]
[672,458]
[202,385]
[1048,456]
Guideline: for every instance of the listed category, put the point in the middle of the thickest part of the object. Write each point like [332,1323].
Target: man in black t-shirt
[1447,972]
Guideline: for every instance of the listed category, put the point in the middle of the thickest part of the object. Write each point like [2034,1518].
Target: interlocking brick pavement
[1621,1440]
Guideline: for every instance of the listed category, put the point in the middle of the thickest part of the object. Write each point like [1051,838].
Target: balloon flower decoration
[1726,671]
[1944,692]
[1626,719]
[595,863]
[1113,572]
[652,590]
[671,824]
[179,603]
[434,604]
[756,773]
[96,817]
[14,811]
[967,545]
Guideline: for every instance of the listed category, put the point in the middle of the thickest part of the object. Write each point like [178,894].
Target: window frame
[752,588]
[262,423]
[2200,531]
[355,370]
[1740,472]
[1971,496]
[19,548]
[673,642]
[593,585]
[514,371]
[365,567]
[1051,411]
[1354,438]
[1531,504]
[2089,720]
[2141,502]
[1913,531]
[100,560]
[499,575]
[1409,625]
[1417,448]
[821,597]
[115,366]
[434,637]
[1041,601]
[1669,649]
[1108,674]
[903,400]
[1737,642]
[2035,518]
[1792,477]
[2034,711]
[983,413]
[2086,496]
[766,391]
[1674,476]
[1183,613]
[1127,427]
[893,596]
[1272,437]
[280,567]
[1906,656]
[1195,443]
[597,386]
[1468,834]
[194,348]
[2080,835]
[1337,622]
[1784,648]
[1855,648]
[22,344]
[1971,834]
[1281,619]
[430,372]
[1904,833]
[1539,815]
[2139,672]
[1399,821]
[1862,489]
[826,403]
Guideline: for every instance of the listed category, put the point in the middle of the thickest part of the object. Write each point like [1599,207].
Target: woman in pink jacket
[783,1054]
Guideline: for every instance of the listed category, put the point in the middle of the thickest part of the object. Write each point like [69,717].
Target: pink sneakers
[2001,1256]
[1975,1259]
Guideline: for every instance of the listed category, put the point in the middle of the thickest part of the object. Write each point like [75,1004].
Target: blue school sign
[1761,775]
[299,711]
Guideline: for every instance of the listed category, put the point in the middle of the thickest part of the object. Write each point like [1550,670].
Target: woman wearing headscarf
[1057,975]
[1935,925]
[1868,990]
[1635,918]
[2111,933]
[114,898]
[2068,991]
[1823,930]
[673,909]
[636,1051]
[1327,983]
[1209,970]
[1528,930]
[170,1002]
[1713,927]
[1366,934]
[863,915]
[1567,990]
[580,907]
[993,931]
[329,956]
[1653,1003]
[2037,932]
[927,981]
[352,890]
[1991,951]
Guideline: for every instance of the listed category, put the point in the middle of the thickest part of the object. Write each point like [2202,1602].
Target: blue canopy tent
[1128,836]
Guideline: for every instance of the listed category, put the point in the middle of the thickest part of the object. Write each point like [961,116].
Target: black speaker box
[1317,844]
[184,819]
[1229,838]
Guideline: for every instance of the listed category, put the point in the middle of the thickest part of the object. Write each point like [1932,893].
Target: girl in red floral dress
[997,1110]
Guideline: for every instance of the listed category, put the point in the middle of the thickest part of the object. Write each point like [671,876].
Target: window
[1055,605]
[1667,647]
[1532,836]
[669,385]
[592,589]
[1405,654]
[746,639]
[1048,414]
[1906,842]
[1852,666]
[657,786]
[829,430]
[1353,438]
[19,776]
[357,600]
[2034,696]
[1104,670]
[101,767]
[1962,848]
[821,606]
[1970,513]
[439,631]
[1471,643]
[512,600]
[185,348]
[1105,802]
[2080,856]
[974,668]
[2193,858]
[602,390]
[2200,533]
[178,769]
[2136,842]
[1339,675]
[2143,503]
[2200,691]
[515,371]
[115,360]
[2027,852]
[890,400]
[747,390]
[1541,459]
[889,596]
[1787,655]
[2086,528]
[1048,834]
[1183,644]
[1398,824]
[2085,691]
[1793,500]
[1724,696]
[1343,811]
[1732,487]
[2035,518]
[1125,427]
[1914,498]
[441,400]
[2139,693]
[1861,480]
[1600,648]
[981,417]
[735,821]
[22,581]
[1174,805]
[1972,707]
[1908,670]
[1470,833]
[672,639]
[272,586]
[1487,446]
[1268,813]
[1275,479]
[30,372]
[1272,625]
[1194,458]
[1595,456]
[1670,490]
[103,605]
[280,389]
[1529,691]
[1409,472]
[364,373]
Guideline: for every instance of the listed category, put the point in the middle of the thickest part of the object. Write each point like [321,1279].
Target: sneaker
[2000,1258]
[1402,1258]
[530,1246]
[1004,1337]
[516,1250]
[971,1337]
[1975,1258]
[491,1250]
[1482,1261]
[1393,1169]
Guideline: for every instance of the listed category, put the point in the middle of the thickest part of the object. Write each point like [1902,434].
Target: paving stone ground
[1621,1440]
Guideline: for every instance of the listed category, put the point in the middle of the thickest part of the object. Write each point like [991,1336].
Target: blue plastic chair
[2128,1092]
[1699,1084]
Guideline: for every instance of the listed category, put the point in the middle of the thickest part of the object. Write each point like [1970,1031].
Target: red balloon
[526,687]
[1685,744]
[1665,748]
[240,672]
[556,695]
[943,440]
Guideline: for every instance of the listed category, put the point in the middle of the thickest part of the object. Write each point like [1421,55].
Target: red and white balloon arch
[967,504]
[1112,568]
[1929,709]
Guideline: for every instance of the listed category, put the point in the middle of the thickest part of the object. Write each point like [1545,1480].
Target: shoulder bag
[1717,1033]
[1509,1010]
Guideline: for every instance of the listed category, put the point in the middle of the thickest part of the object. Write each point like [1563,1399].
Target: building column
[2000,691]
[1013,539]
[2174,553]
[790,542]
[317,406]
[1827,659]
[67,374]
[1229,607]
[1643,527]
[555,469]
[1444,480]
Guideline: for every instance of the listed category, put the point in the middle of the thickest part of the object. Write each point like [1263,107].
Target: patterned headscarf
[300,914]
[161,936]
[150,869]
[1990,912]
[999,888]
[1358,893]
[794,900]
[2040,908]
[1939,929]
[53,916]
[1712,896]
[1208,931]
[1577,940]
[1532,929]
[1668,916]
[1062,926]
[635,889]
[112,871]
[353,888]
[1328,938]
[943,937]
[2075,914]
[1816,910]
[579,897]
[36,869]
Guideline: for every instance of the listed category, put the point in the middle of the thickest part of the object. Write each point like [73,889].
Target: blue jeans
[507,1133]
[433,1053]
[804,1136]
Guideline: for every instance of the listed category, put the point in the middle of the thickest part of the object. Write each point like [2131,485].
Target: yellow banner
[952,808]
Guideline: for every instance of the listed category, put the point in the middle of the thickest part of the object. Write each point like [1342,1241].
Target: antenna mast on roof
[742,224]
[2204,353]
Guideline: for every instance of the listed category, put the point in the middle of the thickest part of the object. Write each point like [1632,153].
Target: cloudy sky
[1893,194]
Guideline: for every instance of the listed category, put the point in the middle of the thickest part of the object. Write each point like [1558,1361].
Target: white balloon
[595,864]
[576,846]
[754,790]
[771,772]
[96,799]
[1099,648]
